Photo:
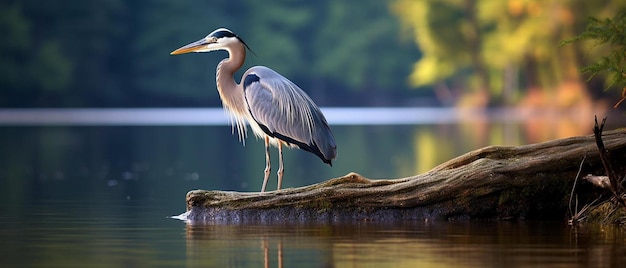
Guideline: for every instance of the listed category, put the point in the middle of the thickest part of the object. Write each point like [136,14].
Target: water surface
[79,233]
[76,193]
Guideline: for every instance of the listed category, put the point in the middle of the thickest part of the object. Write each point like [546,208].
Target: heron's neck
[226,69]
[230,92]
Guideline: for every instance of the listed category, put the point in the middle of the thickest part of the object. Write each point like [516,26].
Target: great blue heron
[275,108]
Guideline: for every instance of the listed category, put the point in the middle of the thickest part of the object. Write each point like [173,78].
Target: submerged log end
[236,200]
[337,199]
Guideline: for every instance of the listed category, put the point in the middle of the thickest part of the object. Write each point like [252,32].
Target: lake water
[96,188]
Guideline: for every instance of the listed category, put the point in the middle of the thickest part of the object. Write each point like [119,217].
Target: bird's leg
[281,169]
[268,166]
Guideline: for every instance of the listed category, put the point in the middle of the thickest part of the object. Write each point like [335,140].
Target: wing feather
[282,110]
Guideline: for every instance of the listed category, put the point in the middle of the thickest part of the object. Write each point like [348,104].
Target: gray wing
[284,111]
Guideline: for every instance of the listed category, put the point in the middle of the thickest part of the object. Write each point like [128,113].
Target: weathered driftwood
[496,182]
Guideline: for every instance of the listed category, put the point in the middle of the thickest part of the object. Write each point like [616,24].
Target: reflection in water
[266,253]
[407,244]
[225,246]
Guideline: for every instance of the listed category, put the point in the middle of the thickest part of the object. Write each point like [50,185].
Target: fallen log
[496,182]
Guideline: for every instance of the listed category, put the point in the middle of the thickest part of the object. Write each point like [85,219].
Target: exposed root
[580,168]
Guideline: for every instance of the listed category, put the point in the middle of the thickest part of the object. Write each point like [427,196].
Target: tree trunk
[496,182]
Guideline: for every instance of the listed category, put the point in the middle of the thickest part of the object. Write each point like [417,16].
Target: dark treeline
[115,53]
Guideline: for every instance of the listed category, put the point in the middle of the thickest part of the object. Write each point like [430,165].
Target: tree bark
[496,182]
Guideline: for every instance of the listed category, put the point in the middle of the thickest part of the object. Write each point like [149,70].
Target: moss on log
[496,182]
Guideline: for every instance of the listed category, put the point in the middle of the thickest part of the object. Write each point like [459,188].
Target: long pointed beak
[193,47]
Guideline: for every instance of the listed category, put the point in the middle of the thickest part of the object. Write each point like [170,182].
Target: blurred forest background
[115,53]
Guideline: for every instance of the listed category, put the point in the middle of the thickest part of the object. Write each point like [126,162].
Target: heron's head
[220,39]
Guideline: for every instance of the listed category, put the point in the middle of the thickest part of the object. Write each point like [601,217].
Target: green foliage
[499,47]
[22,59]
[360,46]
[609,34]
[16,42]
[437,29]
[116,53]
